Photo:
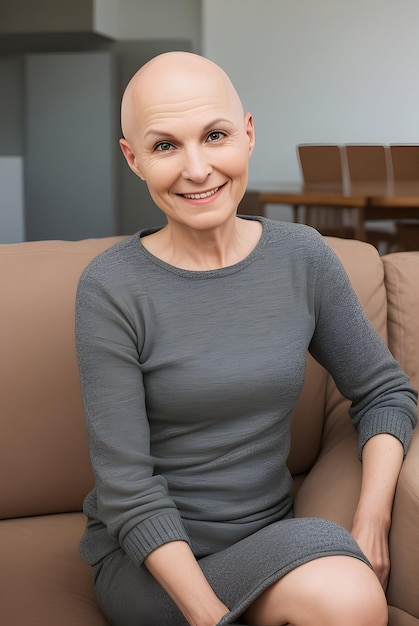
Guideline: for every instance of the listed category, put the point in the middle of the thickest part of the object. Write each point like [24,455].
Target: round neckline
[222,271]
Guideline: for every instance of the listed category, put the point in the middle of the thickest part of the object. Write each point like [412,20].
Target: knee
[324,592]
[364,609]
[338,590]
[358,599]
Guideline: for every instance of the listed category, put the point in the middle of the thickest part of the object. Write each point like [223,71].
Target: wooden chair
[405,161]
[322,164]
[405,166]
[369,163]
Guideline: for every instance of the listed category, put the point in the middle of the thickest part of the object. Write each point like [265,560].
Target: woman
[192,341]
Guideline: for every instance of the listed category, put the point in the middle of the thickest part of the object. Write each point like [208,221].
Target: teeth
[200,196]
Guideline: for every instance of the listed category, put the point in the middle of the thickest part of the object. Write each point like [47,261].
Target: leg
[324,592]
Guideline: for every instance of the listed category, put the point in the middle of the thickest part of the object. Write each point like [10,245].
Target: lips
[200,196]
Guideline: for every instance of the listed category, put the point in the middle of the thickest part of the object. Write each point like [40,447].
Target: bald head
[170,81]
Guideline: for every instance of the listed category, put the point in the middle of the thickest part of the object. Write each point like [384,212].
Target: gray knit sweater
[189,380]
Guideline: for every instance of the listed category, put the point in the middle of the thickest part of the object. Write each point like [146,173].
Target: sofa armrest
[404,536]
[402,285]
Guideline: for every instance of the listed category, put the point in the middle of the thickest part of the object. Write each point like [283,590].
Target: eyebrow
[213,124]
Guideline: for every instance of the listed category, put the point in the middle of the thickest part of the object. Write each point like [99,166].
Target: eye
[164,146]
[215,135]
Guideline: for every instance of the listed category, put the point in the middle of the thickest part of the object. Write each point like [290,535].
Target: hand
[224,612]
[372,538]
[212,618]
[382,458]
[227,612]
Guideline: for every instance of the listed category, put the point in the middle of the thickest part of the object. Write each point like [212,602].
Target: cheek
[236,164]
[236,157]
[159,174]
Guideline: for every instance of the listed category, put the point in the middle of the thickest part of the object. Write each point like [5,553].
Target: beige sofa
[44,462]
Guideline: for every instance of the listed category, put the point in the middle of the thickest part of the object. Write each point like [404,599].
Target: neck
[196,250]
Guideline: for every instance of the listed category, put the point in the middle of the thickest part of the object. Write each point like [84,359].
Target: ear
[250,131]
[131,159]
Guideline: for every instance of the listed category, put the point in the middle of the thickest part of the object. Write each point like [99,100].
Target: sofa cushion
[397,617]
[44,460]
[43,579]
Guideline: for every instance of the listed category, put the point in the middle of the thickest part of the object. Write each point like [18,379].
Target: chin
[210,219]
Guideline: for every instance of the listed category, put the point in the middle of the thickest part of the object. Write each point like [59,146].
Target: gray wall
[77,183]
[45,16]
[70,146]
[141,29]
[11,105]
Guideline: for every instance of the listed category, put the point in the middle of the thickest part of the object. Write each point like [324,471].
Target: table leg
[360,225]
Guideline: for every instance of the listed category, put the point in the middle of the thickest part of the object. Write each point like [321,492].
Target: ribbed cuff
[152,533]
[393,423]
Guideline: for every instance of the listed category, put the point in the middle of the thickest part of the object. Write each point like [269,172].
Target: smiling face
[186,135]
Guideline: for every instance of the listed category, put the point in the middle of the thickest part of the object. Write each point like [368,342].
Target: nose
[196,165]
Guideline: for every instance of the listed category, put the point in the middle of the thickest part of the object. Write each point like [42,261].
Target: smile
[200,196]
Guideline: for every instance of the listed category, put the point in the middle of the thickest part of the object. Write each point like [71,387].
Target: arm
[381,462]
[346,344]
[383,405]
[175,568]
[132,501]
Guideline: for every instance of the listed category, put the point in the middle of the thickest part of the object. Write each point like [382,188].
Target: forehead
[182,94]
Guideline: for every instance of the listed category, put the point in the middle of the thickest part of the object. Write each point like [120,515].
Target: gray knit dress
[189,381]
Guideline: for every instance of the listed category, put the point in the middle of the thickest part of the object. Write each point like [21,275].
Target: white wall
[318,71]
[12,229]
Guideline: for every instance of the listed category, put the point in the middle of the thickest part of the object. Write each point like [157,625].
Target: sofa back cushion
[402,284]
[44,461]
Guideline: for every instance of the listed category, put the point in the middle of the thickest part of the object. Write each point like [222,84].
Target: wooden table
[374,201]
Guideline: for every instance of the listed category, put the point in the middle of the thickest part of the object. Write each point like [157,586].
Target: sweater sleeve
[365,372]
[132,502]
